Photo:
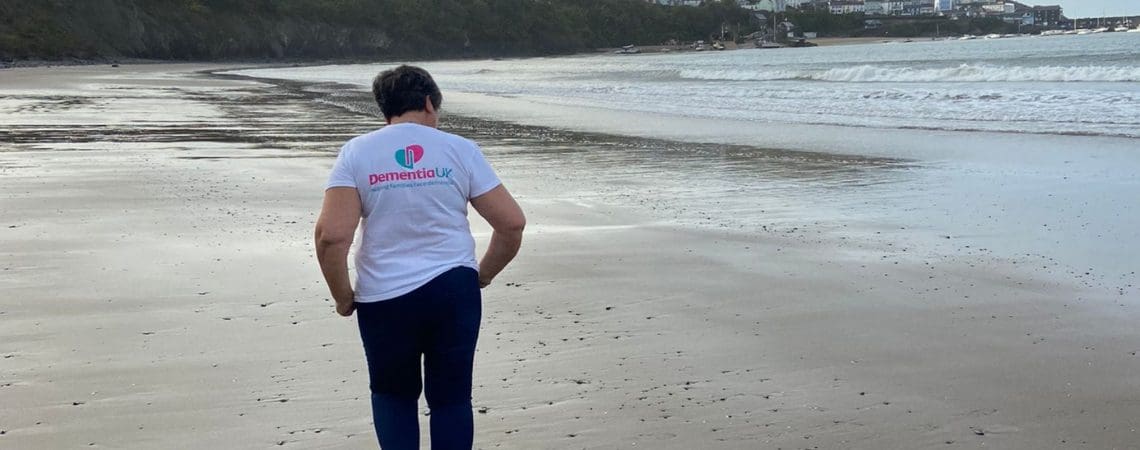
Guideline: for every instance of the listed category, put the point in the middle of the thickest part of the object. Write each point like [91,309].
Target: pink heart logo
[408,157]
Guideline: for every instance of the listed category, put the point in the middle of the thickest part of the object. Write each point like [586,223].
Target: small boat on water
[1121,29]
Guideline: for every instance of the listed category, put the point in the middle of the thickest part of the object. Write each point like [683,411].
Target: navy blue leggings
[440,321]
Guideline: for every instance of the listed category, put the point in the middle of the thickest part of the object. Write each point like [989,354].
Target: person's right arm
[336,226]
[500,210]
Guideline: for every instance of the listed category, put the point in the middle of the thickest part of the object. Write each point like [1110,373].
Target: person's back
[417,291]
[414,183]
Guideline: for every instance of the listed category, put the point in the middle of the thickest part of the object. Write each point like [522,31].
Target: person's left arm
[336,227]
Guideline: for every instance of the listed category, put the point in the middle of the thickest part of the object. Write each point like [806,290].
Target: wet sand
[158,289]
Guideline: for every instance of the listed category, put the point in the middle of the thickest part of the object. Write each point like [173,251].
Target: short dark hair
[403,89]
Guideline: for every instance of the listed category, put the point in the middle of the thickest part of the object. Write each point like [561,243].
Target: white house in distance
[999,8]
[904,7]
[763,5]
[752,5]
[676,2]
[1009,10]
[886,7]
[875,7]
[847,6]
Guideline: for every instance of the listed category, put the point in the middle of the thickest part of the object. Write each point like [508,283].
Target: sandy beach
[158,290]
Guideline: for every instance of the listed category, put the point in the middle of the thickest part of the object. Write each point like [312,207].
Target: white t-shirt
[414,183]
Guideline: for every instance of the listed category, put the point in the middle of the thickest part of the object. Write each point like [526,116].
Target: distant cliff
[325,29]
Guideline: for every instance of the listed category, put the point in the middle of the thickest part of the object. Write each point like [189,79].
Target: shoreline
[938,152]
[164,322]
[267,63]
[844,41]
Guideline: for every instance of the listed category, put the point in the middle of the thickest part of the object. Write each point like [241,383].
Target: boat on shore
[801,42]
[628,50]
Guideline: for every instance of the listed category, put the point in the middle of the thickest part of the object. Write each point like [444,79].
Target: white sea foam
[960,73]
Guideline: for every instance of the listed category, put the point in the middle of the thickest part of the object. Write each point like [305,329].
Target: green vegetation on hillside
[245,29]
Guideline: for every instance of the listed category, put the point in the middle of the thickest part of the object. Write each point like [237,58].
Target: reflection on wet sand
[685,183]
[303,126]
[681,182]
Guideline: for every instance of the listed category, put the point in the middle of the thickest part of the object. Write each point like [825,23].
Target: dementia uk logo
[407,158]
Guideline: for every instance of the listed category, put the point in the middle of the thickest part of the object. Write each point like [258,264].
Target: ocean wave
[962,73]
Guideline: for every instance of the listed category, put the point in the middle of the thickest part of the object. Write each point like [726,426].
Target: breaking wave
[962,73]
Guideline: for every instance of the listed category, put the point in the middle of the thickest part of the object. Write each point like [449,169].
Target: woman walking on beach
[417,288]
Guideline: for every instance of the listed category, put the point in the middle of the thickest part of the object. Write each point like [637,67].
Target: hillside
[324,29]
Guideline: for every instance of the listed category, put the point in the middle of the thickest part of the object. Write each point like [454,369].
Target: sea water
[1025,149]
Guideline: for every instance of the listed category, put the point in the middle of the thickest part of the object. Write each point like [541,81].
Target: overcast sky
[1093,8]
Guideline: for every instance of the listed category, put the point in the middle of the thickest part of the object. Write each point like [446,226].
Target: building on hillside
[895,7]
[806,5]
[763,5]
[676,2]
[917,7]
[1019,18]
[762,20]
[898,7]
[874,7]
[1048,16]
[846,6]
[998,9]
